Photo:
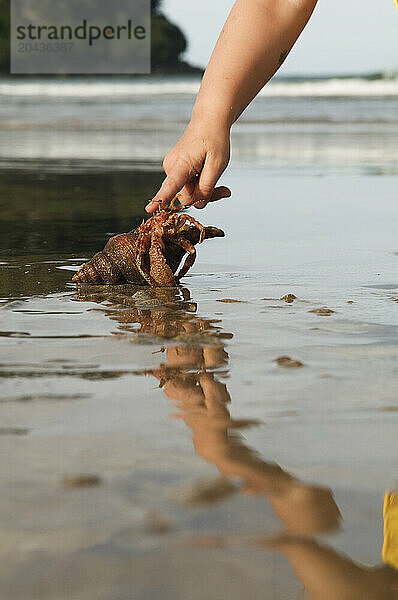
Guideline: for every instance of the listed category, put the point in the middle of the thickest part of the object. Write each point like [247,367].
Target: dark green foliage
[168,41]
[155,6]
[4,36]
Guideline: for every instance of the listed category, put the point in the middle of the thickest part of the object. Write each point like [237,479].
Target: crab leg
[199,226]
[144,243]
[143,272]
[174,200]
[161,274]
[190,259]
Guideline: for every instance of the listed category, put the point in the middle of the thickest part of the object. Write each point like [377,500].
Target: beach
[163,443]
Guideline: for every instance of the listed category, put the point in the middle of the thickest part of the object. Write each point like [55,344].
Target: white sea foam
[90,89]
[333,88]
[93,89]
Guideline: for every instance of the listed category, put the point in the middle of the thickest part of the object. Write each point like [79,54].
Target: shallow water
[151,444]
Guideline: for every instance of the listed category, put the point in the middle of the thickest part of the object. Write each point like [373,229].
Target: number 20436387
[45,47]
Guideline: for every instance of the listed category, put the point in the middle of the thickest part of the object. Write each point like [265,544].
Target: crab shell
[117,262]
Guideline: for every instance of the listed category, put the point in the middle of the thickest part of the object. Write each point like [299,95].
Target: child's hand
[194,166]
[253,44]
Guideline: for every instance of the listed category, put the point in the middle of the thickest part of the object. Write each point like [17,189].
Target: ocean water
[230,438]
[343,124]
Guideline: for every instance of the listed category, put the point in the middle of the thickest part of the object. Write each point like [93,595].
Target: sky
[343,36]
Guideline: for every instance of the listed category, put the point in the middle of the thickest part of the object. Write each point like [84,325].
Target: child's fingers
[202,190]
[178,176]
[208,178]
[219,192]
[186,195]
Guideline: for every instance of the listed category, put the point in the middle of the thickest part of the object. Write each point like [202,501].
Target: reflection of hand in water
[203,405]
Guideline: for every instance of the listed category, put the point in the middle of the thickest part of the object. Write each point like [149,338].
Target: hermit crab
[150,254]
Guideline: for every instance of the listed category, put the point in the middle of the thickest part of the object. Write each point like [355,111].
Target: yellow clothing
[390,515]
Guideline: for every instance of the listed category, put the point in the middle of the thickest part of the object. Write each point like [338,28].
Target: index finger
[172,184]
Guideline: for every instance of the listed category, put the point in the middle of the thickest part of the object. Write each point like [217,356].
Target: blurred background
[332,106]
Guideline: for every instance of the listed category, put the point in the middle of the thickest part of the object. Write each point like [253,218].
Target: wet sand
[174,443]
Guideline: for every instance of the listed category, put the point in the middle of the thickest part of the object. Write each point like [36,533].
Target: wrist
[211,115]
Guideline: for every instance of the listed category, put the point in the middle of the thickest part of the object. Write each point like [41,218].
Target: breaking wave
[88,89]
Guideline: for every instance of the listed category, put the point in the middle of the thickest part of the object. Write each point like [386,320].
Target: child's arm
[255,40]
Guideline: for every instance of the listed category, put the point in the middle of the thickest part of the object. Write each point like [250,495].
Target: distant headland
[168,43]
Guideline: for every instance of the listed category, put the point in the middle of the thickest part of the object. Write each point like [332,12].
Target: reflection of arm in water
[327,575]
[202,401]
